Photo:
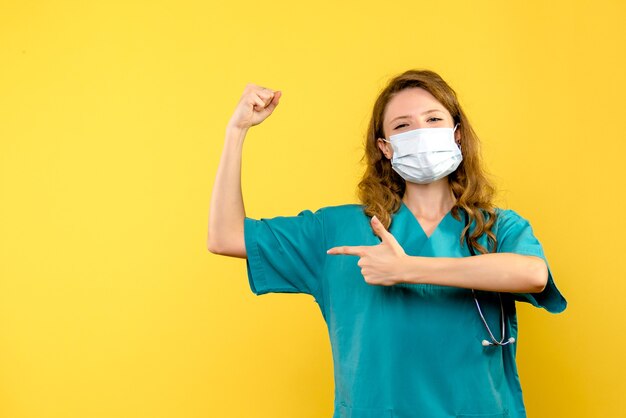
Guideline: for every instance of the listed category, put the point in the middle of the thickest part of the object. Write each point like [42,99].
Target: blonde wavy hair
[381,188]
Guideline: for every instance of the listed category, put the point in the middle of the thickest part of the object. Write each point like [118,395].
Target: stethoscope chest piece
[494,341]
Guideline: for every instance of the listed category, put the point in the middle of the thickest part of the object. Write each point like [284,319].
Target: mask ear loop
[458,144]
[389,142]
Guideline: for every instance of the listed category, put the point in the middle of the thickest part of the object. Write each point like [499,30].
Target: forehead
[411,101]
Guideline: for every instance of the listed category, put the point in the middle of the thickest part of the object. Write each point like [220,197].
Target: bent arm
[497,272]
[227,213]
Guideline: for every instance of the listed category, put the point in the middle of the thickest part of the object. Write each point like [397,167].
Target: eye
[401,125]
[434,119]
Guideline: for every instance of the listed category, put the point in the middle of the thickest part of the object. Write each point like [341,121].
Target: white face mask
[425,155]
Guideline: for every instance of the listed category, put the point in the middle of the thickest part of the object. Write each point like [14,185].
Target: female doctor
[417,284]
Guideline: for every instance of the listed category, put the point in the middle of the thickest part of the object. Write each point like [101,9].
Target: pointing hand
[380,264]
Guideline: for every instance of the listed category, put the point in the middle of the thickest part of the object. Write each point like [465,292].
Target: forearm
[227,213]
[499,272]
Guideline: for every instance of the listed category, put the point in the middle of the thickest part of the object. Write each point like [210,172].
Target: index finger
[348,250]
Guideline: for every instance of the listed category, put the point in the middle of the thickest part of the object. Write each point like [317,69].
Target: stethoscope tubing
[494,341]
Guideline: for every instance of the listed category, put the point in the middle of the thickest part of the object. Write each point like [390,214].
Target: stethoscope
[494,341]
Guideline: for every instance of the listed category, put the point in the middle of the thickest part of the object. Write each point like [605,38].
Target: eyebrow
[408,116]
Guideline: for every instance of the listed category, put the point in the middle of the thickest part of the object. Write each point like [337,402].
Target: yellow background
[112,118]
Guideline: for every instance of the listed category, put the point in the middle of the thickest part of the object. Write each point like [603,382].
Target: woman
[418,326]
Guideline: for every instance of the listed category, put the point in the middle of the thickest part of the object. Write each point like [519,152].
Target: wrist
[235,135]
[416,269]
[233,130]
[405,272]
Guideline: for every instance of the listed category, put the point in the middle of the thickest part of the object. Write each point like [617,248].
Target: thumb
[379,229]
[274,102]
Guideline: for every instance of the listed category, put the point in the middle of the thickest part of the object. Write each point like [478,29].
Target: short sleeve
[515,235]
[285,254]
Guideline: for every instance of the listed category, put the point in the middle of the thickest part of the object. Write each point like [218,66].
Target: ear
[385,147]
[457,137]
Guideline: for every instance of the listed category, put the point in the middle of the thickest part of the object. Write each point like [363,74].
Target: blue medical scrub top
[407,350]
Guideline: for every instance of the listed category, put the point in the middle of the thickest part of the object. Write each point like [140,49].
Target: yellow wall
[112,117]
